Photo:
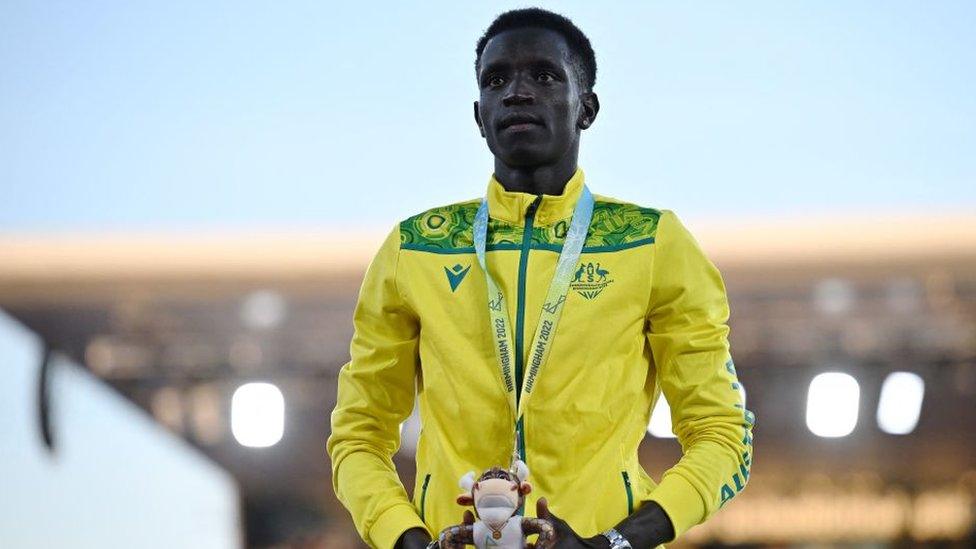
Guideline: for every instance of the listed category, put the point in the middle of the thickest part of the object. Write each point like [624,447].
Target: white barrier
[116,478]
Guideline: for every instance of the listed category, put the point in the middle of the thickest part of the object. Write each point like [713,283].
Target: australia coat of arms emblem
[590,279]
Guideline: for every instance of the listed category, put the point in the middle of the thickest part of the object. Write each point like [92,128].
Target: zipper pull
[530,212]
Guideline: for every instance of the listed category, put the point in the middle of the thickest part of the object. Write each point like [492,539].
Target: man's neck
[550,179]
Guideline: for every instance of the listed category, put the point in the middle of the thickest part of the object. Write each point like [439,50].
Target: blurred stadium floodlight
[263,309]
[660,424]
[901,402]
[832,403]
[834,296]
[257,415]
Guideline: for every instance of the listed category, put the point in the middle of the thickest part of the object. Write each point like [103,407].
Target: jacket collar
[511,206]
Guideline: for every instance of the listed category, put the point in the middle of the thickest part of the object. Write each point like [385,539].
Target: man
[593,307]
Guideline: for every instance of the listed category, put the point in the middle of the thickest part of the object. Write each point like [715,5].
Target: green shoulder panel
[621,223]
[444,227]
[615,225]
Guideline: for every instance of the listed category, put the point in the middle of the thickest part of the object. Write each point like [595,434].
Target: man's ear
[590,107]
[477,119]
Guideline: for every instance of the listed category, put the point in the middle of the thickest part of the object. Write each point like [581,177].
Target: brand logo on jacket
[456,274]
[590,279]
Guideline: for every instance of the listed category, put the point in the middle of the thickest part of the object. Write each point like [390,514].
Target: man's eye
[495,81]
[545,77]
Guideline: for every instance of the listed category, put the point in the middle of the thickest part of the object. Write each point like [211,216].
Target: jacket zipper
[520,321]
[630,494]
[520,308]
[423,495]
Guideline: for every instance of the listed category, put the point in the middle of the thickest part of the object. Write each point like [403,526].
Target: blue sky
[197,116]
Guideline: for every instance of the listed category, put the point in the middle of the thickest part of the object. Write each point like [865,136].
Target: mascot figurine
[496,496]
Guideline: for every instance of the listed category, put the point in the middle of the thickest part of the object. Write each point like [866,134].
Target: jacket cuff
[680,501]
[392,523]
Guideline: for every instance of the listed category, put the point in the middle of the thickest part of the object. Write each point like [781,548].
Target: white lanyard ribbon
[545,332]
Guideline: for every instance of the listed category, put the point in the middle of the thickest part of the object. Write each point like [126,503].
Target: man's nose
[516,98]
[518,94]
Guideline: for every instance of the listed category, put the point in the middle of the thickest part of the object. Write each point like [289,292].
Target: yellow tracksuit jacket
[646,313]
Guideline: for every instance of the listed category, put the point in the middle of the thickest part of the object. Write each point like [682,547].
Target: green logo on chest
[590,279]
[456,274]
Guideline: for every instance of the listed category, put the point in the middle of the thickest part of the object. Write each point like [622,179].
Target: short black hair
[584,61]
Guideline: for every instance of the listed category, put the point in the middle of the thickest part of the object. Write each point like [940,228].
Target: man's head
[535,72]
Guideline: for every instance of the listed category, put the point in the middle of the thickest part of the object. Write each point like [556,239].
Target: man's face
[530,108]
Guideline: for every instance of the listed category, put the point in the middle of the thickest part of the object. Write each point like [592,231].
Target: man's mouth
[519,122]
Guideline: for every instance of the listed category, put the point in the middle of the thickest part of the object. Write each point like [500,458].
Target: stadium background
[189,196]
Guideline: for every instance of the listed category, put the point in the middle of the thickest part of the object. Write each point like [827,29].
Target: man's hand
[414,538]
[566,538]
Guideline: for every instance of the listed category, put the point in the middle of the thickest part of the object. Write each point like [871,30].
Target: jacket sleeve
[375,395]
[688,335]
